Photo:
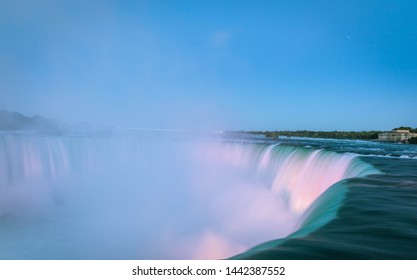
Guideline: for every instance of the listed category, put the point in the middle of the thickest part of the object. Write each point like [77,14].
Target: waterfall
[156,195]
[300,175]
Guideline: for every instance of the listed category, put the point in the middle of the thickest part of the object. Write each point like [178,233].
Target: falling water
[152,196]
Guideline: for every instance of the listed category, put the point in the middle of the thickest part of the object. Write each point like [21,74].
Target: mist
[130,195]
[135,194]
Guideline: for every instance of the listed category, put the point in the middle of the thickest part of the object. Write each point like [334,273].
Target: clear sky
[261,65]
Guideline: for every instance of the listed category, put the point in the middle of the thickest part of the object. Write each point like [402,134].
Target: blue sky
[251,65]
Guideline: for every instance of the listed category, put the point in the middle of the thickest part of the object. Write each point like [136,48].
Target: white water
[154,196]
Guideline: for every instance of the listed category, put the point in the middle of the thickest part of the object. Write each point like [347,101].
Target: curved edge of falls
[325,207]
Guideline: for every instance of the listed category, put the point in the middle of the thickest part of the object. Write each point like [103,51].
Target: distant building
[397,135]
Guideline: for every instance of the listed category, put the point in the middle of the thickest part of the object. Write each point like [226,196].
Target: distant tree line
[359,135]
[354,135]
